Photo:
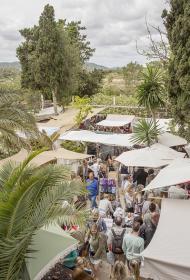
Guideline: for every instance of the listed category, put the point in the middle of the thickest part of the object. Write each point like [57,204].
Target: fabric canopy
[69,155]
[153,157]
[102,138]
[175,173]
[171,140]
[45,157]
[167,256]
[116,120]
[50,245]
[113,139]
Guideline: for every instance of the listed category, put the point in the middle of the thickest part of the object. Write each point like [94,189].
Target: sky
[113,26]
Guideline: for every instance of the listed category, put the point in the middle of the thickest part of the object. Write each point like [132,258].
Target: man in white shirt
[95,168]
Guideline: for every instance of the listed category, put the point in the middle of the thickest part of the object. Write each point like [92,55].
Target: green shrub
[73,146]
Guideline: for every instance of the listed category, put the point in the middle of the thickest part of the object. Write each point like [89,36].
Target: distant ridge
[16,64]
[92,66]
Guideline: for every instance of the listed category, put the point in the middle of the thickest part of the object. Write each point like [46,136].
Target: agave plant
[145,132]
[30,198]
[13,118]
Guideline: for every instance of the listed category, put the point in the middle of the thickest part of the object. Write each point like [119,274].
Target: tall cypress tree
[50,56]
[177,22]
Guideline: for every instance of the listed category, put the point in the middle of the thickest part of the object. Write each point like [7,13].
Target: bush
[73,146]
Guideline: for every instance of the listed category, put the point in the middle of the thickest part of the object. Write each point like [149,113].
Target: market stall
[167,256]
[176,173]
[155,156]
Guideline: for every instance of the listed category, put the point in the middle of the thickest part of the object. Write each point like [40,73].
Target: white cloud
[113,26]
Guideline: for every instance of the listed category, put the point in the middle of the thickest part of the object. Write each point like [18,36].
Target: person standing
[133,245]
[148,228]
[177,192]
[140,177]
[129,199]
[126,182]
[95,167]
[92,188]
[115,241]
[105,206]
[97,249]
[83,170]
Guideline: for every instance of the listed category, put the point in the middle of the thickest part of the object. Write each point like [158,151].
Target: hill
[14,64]
[92,66]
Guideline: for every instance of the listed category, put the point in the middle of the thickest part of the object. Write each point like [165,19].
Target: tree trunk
[54,102]
[154,120]
[42,101]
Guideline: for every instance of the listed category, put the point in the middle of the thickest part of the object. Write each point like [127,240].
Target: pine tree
[178,28]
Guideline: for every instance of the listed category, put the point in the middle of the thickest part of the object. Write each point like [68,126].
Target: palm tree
[42,140]
[13,119]
[30,198]
[151,90]
[145,132]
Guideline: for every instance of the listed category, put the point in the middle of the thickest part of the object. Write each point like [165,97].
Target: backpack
[117,242]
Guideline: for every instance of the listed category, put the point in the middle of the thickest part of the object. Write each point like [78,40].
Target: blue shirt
[92,187]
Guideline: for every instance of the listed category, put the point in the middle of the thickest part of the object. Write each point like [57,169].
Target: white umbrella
[153,157]
[176,173]
[171,140]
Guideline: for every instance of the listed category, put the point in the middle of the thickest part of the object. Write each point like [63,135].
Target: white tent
[102,138]
[175,173]
[153,157]
[61,155]
[115,139]
[171,140]
[167,256]
[116,120]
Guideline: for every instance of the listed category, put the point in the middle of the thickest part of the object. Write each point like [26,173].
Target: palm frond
[151,90]
[145,132]
[32,197]
[13,119]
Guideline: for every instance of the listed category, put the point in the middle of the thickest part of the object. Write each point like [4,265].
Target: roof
[167,255]
[175,173]
[102,138]
[153,157]
[116,120]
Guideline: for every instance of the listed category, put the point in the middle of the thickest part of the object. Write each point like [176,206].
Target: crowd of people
[121,224]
